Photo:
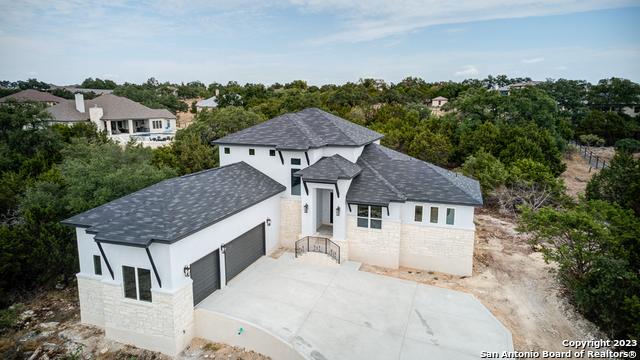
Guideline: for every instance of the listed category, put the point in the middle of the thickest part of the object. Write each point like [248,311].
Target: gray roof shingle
[33,95]
[330,169]
[302,130]
[114,108]
[172,209]
[390,176]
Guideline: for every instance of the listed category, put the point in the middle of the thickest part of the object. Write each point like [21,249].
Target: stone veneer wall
[374,246]
[165,324]
[290,222]
[91,304]
[437,249]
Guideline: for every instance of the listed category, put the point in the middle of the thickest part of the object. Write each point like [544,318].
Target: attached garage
[205,274]
[244,251]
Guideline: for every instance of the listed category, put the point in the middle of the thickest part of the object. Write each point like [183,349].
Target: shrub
[628,145]
[591,140]
[488,170]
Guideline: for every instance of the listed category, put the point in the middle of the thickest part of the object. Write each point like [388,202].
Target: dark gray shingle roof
[388,175]
[330,169]
[302,130]
[174,208]
[33,95]
[114,108]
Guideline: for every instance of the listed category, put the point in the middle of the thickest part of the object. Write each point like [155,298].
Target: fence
[594,160]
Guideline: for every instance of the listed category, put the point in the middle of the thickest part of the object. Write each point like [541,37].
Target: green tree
[431,147]
[488,170]
[618,183]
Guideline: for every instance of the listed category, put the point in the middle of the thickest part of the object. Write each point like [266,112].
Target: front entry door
[331,208]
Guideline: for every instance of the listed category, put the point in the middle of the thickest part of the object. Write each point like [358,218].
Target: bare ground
[577,174]
[515,284]
[47,327]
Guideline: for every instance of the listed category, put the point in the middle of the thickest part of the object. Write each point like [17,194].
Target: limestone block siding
[290,222]
[434,248]
[91,304]
[374,246]
[166,324]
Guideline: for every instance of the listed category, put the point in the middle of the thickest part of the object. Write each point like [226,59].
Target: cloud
[366,20]
[467,70]
[533,60]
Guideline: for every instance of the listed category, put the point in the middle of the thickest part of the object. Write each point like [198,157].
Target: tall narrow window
[363,216]
[227,150]
[451,215]
[97,265]
[433,216]
[376,217]
[144,284]
[272,152]
[295,183]
[129,280]
[417,216]
[295,161]
[252,151]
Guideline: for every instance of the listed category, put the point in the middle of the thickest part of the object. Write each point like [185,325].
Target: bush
[618,183]
[628,145]
[488,170]
[591,140]
[596,246]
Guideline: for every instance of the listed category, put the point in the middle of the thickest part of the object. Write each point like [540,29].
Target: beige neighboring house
[207,104]
[32,95]
[121,118]
[436,105]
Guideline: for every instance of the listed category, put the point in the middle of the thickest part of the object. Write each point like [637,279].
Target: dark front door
[205,274]
[244,251]
[331,208]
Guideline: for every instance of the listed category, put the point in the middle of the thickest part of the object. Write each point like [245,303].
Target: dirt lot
[515,284]
[47,328]
[577,174]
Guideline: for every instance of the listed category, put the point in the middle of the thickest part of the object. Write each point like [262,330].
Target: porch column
[130,126]
[108,122]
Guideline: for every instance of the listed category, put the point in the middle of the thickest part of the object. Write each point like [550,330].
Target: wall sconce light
[306,208]
[268,221]
[187,271]
[223,249]
[338,211]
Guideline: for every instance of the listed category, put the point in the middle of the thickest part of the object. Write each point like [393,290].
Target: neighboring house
[436,105]
[301,181]
[32,95]
[76,89]
[120,117]
[506,90]
[210,103]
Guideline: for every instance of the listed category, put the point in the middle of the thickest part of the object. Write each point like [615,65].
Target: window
[295,162]
[136,287]
[227,150]
[156,124]
[370,216]
[451,215]
[434,215]
[97,265]
[295,183]
[417,216]
[272,152]
[252,151]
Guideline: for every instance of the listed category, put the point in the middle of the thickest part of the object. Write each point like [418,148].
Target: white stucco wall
[309,219]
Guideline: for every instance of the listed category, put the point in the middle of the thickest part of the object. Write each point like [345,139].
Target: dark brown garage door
[244,251]
[205,274]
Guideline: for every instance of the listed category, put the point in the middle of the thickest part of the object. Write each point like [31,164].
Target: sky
[330,41]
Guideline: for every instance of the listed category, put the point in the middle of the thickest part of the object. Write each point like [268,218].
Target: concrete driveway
[338,312]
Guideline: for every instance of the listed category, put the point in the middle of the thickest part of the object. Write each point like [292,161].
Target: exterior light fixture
[187,271]
[338,211]
[306,208]
[268,221]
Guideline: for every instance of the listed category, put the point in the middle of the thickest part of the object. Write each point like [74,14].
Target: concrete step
[315,258]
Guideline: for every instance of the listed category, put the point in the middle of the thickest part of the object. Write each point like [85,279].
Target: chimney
[80,102]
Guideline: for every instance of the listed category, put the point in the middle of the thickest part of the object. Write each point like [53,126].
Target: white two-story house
[122,119]
[306,181]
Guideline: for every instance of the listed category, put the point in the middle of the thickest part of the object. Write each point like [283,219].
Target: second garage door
[205,274]
[244,251]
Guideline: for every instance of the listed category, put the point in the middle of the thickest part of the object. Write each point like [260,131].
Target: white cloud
[533,60]
[467,70]
[366,20]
